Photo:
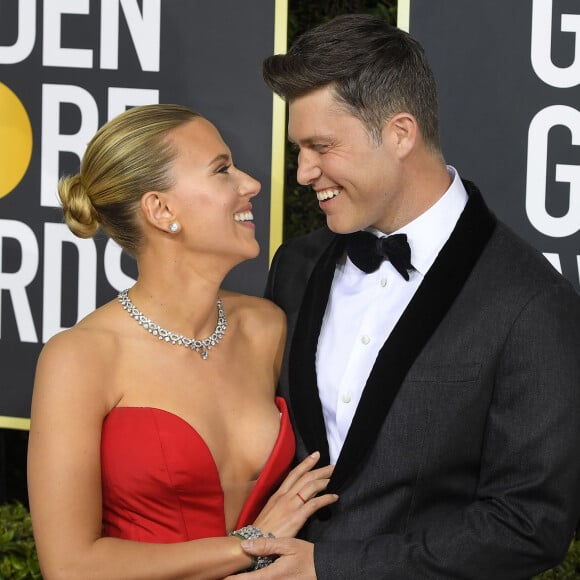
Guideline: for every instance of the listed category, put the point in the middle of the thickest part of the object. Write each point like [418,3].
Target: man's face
[355,179]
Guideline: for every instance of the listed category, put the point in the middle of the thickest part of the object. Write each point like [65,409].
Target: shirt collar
[428,233]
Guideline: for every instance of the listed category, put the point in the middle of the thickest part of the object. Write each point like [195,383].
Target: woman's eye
[224,169]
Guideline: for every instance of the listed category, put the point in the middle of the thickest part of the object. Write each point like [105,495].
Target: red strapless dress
[161,484]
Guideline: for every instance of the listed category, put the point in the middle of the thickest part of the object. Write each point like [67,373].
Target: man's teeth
[244,216]
[327,194]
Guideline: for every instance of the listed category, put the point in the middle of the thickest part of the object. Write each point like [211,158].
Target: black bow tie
[367,251]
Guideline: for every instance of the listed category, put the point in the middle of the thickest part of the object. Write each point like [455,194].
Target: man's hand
[296,559]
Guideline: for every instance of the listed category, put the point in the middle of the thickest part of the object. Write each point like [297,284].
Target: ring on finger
[301,498]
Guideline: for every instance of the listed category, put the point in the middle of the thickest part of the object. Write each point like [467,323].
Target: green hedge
[18,559]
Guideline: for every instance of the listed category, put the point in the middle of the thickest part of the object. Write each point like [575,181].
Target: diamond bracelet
[251,533]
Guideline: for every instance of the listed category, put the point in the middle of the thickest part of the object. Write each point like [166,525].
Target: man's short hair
[376,71]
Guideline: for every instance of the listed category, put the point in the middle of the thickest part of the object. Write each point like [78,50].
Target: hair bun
[79,213]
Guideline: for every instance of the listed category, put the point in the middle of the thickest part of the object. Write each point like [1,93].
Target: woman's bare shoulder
[252,310]
[81,354]
[261,325]
[94,331]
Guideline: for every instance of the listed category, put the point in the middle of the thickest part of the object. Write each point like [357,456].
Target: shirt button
[383,282]
[346,398]
[365,339]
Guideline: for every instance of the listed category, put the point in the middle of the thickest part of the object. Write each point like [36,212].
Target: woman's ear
[156,211]
[402,131]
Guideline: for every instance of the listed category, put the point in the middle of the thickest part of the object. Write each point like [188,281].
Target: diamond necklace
[200,346]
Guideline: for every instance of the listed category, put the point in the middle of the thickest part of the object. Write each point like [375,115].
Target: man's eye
[224,169]
[319,147]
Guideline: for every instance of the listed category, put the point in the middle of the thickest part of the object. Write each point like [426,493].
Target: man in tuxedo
[433,356]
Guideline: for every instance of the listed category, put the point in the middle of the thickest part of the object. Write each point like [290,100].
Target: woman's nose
[249,186]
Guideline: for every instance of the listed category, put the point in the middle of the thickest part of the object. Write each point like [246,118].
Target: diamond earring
[174,227]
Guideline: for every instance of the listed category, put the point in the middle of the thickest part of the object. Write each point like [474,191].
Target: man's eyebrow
[310,140]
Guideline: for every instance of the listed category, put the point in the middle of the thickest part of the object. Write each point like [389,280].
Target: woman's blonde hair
[127,157]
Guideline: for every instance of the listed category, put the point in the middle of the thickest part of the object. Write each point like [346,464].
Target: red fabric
[160,483]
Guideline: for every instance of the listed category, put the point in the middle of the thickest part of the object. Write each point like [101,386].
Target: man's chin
[340,227]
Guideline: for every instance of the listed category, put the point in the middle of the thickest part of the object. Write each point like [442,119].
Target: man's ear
[402,132]
[156,210]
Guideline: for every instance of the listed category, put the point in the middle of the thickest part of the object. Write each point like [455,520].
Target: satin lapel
[302,363]
[427,308]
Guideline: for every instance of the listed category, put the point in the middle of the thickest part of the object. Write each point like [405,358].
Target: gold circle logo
[15,140]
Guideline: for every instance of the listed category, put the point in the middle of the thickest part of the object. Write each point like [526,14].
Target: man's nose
[308,168]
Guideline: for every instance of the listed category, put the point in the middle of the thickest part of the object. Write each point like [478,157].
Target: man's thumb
[258,547]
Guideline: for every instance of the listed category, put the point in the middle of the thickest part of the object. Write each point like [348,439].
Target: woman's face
[211,196]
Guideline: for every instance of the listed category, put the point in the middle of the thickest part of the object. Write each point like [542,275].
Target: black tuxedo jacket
[463,457]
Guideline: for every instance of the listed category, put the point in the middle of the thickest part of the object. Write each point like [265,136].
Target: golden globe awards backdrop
[509,82]
[65,69]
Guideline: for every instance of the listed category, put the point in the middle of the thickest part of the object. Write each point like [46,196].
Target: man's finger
[262,546]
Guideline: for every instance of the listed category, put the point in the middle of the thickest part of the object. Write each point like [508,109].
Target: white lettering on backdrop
[560,77]
[143,22]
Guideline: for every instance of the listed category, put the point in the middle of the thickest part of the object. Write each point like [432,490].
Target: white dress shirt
[363,309]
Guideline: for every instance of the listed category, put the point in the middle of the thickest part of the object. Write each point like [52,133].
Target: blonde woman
[155,458]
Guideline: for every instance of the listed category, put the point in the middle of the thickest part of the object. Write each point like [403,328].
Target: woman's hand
[296,499]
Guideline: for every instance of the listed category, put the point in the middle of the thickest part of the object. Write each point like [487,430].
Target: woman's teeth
[244,216]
